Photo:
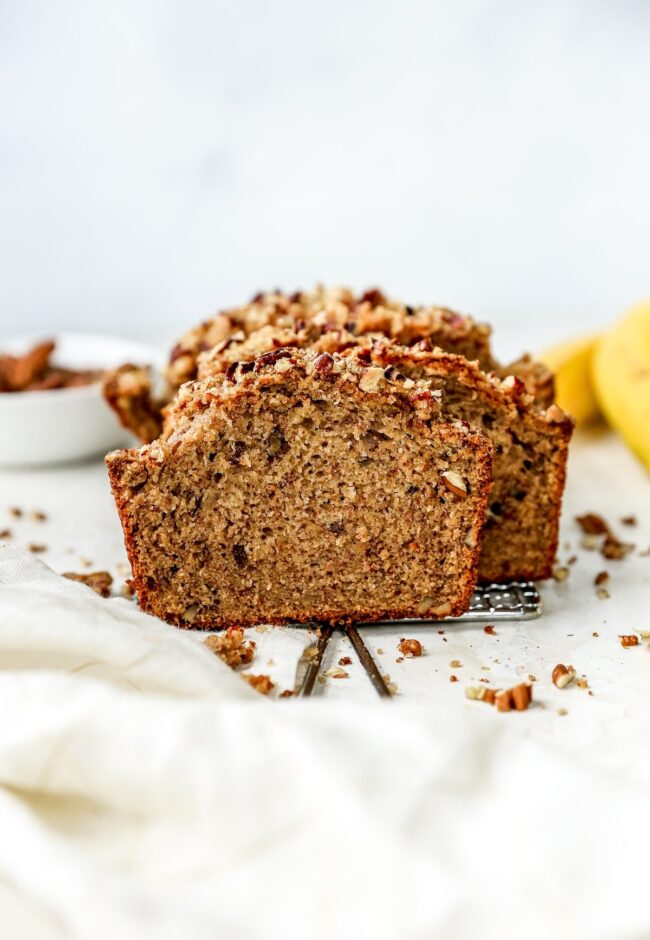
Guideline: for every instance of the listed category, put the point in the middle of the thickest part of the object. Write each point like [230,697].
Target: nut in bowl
[51,404]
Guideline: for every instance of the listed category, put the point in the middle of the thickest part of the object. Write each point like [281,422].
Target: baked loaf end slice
[304,487]
[531,448]
[128,391]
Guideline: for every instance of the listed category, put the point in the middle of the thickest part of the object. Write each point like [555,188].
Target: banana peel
[621,378]
[571,361]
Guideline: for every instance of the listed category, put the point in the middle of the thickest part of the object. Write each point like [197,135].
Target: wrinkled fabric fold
[147,791]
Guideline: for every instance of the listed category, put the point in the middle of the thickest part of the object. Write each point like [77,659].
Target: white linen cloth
[148,791]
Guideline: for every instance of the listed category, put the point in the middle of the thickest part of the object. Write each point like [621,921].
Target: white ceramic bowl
[66,424]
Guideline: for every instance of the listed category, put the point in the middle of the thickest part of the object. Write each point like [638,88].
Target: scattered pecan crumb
[629,520]
[572,560]
[410,648]
[479,693]
[614,549]
[86,562]
[453,678]
[592,524]
[629,640]
[531,677]
[562,712]
[232,647]
[441,632]
[601,578]
[602,594]
[345,661]
[36,547]
[400,659]
[286,694]
[99,581]
[490,630]
[380,651]
[127,590]
[16,512]
[261,684]
[519,697]
[5,535]
[563,675]
[560,573]
[595,633]
[582,682]
[455,664]
[645,635]
[36,515]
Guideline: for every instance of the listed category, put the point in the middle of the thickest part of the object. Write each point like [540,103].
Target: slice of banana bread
[531,448]
[531,442]
[304,487]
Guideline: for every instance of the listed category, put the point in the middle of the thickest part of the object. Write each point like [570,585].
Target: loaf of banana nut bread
[303,487]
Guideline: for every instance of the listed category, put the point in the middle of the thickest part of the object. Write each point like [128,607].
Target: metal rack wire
[517,600]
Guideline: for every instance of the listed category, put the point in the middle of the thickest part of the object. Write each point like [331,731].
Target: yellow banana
[621,376]
[571,362]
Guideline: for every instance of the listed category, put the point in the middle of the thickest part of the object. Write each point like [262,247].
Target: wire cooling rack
[517,600]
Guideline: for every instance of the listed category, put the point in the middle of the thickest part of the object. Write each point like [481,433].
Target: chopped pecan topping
[324,364]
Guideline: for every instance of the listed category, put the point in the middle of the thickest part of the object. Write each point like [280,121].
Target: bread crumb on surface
[232,647]
[262,684]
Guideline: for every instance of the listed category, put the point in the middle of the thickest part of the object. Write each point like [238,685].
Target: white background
[161,160]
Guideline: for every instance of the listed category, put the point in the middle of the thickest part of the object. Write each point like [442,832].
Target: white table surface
[82,533]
